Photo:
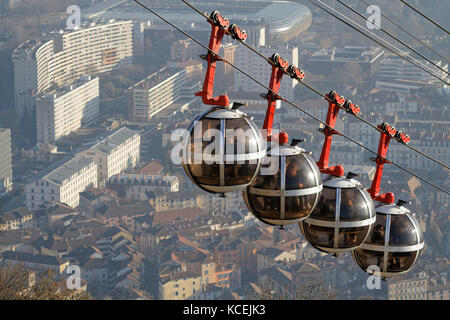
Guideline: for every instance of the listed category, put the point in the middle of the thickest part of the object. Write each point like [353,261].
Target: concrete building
[409,289]
[37,263]
[115,154]
[158,91]
[66,109]
[5,161]
[20,218]
[186,49]
[396,74]
[135,186]
[285,19]
[324,60]
[62,182]
[261,70]
[179,286]
[60,58]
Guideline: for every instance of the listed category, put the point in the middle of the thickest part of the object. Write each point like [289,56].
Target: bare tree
[306,288]
[18,283]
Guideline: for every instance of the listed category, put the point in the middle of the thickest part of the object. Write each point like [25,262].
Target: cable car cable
[423,15]
[394,37]
[317,91]
[409,33]
[287,101]
[422,66]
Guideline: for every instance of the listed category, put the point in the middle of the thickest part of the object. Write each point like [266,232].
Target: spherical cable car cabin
[342,219]
[345,212]
[396,240]
[288,190]
[223,150]
[394,244]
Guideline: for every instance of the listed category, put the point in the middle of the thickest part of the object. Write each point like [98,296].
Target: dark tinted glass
[419,229]
[353,205]
[319,236]
[352,237]
[376,236]
[264,207]
[367,258]
[206,174]
[203,134]
[239,138]
[236,174]
[326,208]
[299,207]
[403,231]
[400,261]
[270,182]
[299,174]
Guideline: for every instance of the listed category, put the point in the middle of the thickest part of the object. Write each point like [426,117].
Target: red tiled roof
[152,168]
[166,217]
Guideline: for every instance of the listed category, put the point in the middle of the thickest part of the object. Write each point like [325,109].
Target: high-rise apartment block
[5,161]
[158,91]
[60,58]
[66,109]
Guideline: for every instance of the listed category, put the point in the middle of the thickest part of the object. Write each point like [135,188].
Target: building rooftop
[157,78]
[348,53]
[67,170]
[58,92]
[111,142]
[31,258]
[141,179]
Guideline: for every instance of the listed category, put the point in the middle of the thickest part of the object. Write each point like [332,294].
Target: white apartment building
[156,92]
[62,184]
[436,147]
[138,182]
[395,73]
[66,109]
[60,58]
[115,154]
[261,70]
[6,182]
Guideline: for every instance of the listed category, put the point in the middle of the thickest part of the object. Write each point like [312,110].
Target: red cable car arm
[335,104]
[278,70]
[220,26]
[383,146]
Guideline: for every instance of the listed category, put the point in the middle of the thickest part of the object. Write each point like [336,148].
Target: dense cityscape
[87,115]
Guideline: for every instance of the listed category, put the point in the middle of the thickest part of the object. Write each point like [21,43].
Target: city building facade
[115,154]
[66,109]
[5,161]
[62,184]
